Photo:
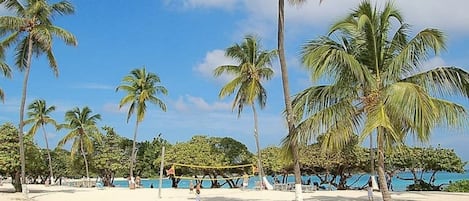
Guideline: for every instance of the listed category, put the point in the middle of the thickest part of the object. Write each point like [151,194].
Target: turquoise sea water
[356,181]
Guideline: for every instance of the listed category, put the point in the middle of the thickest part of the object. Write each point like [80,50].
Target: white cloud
[432,63]
[190,4]
[114,108]
[190,103]
[212,60]
[450,15]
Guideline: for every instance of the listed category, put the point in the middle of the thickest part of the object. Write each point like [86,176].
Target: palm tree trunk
[132,157]
[256,136]
[86,163]
[21,123]
[48,154]
[286,93]
[383,186]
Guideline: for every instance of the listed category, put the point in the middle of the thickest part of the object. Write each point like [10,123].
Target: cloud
[212,60]
[190,103]
[191,4]
[312,16]
[114,108]
[432,63]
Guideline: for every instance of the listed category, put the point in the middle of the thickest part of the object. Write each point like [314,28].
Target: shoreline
[59,193]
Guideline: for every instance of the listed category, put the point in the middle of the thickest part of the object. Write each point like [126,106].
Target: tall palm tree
[32,31]
[83,131]
[377,85]
[254,67]
[291,146]
[141,87]
[39,116]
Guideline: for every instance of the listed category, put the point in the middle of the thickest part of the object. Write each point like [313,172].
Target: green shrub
[421,186]
[458,186]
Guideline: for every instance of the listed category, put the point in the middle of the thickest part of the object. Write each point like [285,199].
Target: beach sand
[62,193]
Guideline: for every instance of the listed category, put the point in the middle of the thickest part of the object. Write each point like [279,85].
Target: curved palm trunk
[48,154]
[383,186]
[21,123]
[256,136]
[132,157]
[286,93]
[86,163]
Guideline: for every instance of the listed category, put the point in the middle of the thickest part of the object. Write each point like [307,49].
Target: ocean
[442,178]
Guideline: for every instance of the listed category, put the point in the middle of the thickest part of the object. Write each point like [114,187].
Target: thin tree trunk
[48,154]
[21,123]
[383,186]
[132,157]
[256,136]
[86,163]
[372,156]
[286,93]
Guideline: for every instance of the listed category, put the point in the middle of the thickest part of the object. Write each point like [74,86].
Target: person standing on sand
[197,192]
[370,189]
[191,187]
[245,181]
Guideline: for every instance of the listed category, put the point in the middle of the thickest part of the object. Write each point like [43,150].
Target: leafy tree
[10,164]
[376,84]
[9,154]
[31,29]
[201,152]
[328,165]
[147,152]
[254,67]
[459,186]
[275,162]
[141,87]
[419,160]
[62,164]
[39,116]
[83,131]
[109,157]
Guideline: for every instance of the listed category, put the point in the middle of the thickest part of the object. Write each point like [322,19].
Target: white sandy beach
[60,193]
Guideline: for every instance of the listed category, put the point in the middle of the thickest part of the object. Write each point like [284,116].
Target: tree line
[110,155]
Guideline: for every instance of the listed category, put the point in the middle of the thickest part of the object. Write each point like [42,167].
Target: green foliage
[208,151]
[108,158]
[424,159]
[9,149]
[147,152]
[273,160]
[141,87]
[458,186]
[341,163]
[62,165]
[421,186]
[83,132]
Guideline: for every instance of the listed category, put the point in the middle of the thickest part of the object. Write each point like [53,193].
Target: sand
[63,193]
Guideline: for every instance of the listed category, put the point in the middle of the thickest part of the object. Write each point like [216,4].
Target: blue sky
[183,41]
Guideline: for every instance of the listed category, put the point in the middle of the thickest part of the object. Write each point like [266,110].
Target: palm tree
[291,146]
[39,116]
[83,131]
[141,87]
[253,68]
[6,71]
[32,30]
[377,85]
